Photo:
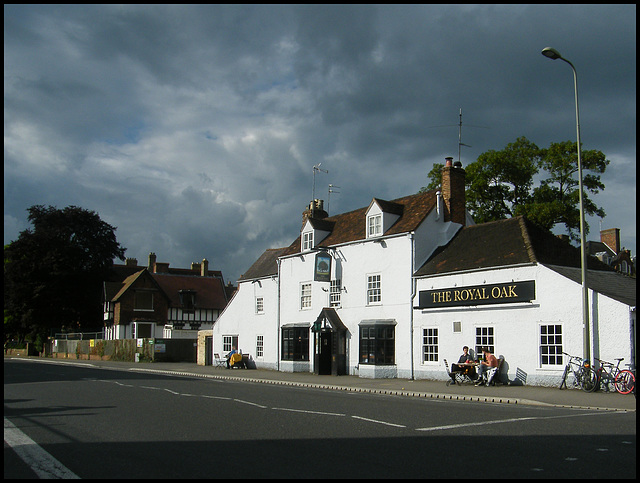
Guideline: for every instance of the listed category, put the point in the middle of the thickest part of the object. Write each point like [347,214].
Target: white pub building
[393,289]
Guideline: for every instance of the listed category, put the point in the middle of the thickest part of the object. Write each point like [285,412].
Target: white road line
[250,403]
[216,397]
[379,422]
[511,420]
[42,463]
[308,412]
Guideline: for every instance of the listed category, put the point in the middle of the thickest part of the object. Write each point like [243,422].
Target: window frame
[305,295]
[553,342]
[295,344]
[335,293]
[486,339]
[430,345]
[228,342]
[377,344]
[259,306]
[307,241]
[374,289]
[259,346]
[141,304]
[374,225]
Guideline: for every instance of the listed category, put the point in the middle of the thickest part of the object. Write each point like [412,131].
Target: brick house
[608,250]
[162,302]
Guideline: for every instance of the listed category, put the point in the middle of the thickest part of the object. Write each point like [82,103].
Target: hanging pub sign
[322,268]
[500,293]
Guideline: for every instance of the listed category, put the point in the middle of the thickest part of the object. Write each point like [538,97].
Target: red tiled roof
[210,292]
[350,227]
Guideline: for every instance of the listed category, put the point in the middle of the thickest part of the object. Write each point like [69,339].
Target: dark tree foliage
[53,272]
[500,184]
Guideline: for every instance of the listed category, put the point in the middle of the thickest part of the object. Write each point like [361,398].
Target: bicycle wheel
[625,382]
[589,380]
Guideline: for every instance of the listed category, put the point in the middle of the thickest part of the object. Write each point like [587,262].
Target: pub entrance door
[330,357]
[325,352]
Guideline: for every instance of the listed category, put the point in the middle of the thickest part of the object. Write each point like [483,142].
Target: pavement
[499,394]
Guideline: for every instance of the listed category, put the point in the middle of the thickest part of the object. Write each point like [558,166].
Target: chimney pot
[448,162]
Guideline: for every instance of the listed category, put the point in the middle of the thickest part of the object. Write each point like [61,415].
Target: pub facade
[516,289]
[395,288]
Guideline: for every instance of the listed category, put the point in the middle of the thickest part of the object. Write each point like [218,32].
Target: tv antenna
[332,189]
[313,192]
[460,143]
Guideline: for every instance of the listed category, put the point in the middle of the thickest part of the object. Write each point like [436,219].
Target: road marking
[216,397]
[250,403]
[379,422]
[501,421]
[306,411]
[42,463]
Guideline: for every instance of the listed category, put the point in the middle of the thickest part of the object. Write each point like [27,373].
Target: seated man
[488,363]
[468,370]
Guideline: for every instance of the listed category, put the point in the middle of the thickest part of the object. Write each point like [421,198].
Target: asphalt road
[99,423]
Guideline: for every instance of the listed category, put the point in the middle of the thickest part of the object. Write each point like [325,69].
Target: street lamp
[553,54]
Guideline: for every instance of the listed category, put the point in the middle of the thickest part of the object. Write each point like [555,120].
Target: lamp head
[553,54]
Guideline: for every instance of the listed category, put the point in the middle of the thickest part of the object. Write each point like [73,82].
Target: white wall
[390,257]
[240,319]
[517,326]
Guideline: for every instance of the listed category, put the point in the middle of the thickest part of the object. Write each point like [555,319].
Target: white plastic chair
[219,361]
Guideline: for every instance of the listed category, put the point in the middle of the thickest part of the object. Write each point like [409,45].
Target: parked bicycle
[583,376]
[612,378]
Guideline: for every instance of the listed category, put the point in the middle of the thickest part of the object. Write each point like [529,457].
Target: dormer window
[314,232]
[374,223]
[381,216]
[187,300]
[307,241]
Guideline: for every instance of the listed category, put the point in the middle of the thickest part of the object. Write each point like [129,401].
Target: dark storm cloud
[194,129]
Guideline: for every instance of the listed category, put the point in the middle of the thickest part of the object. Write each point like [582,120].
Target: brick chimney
[453,177]
[161,267]
[131,262]
[152,262]
[611,238]
[204,267]
[314,210]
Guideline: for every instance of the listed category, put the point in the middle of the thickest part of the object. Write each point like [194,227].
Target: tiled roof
[612,284]
[127,283]
[501,243]
[350,227]
[266,265]
[210,292]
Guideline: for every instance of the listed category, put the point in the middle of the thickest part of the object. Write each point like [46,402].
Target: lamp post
[553,54]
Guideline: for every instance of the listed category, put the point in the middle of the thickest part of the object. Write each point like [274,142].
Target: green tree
[500,181]
[500,184]
[53,273]
[556,200]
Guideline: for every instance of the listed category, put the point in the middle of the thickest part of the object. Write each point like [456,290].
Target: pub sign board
[500,293]
[322,267]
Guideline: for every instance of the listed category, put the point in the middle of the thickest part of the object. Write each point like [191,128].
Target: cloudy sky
[194,129]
